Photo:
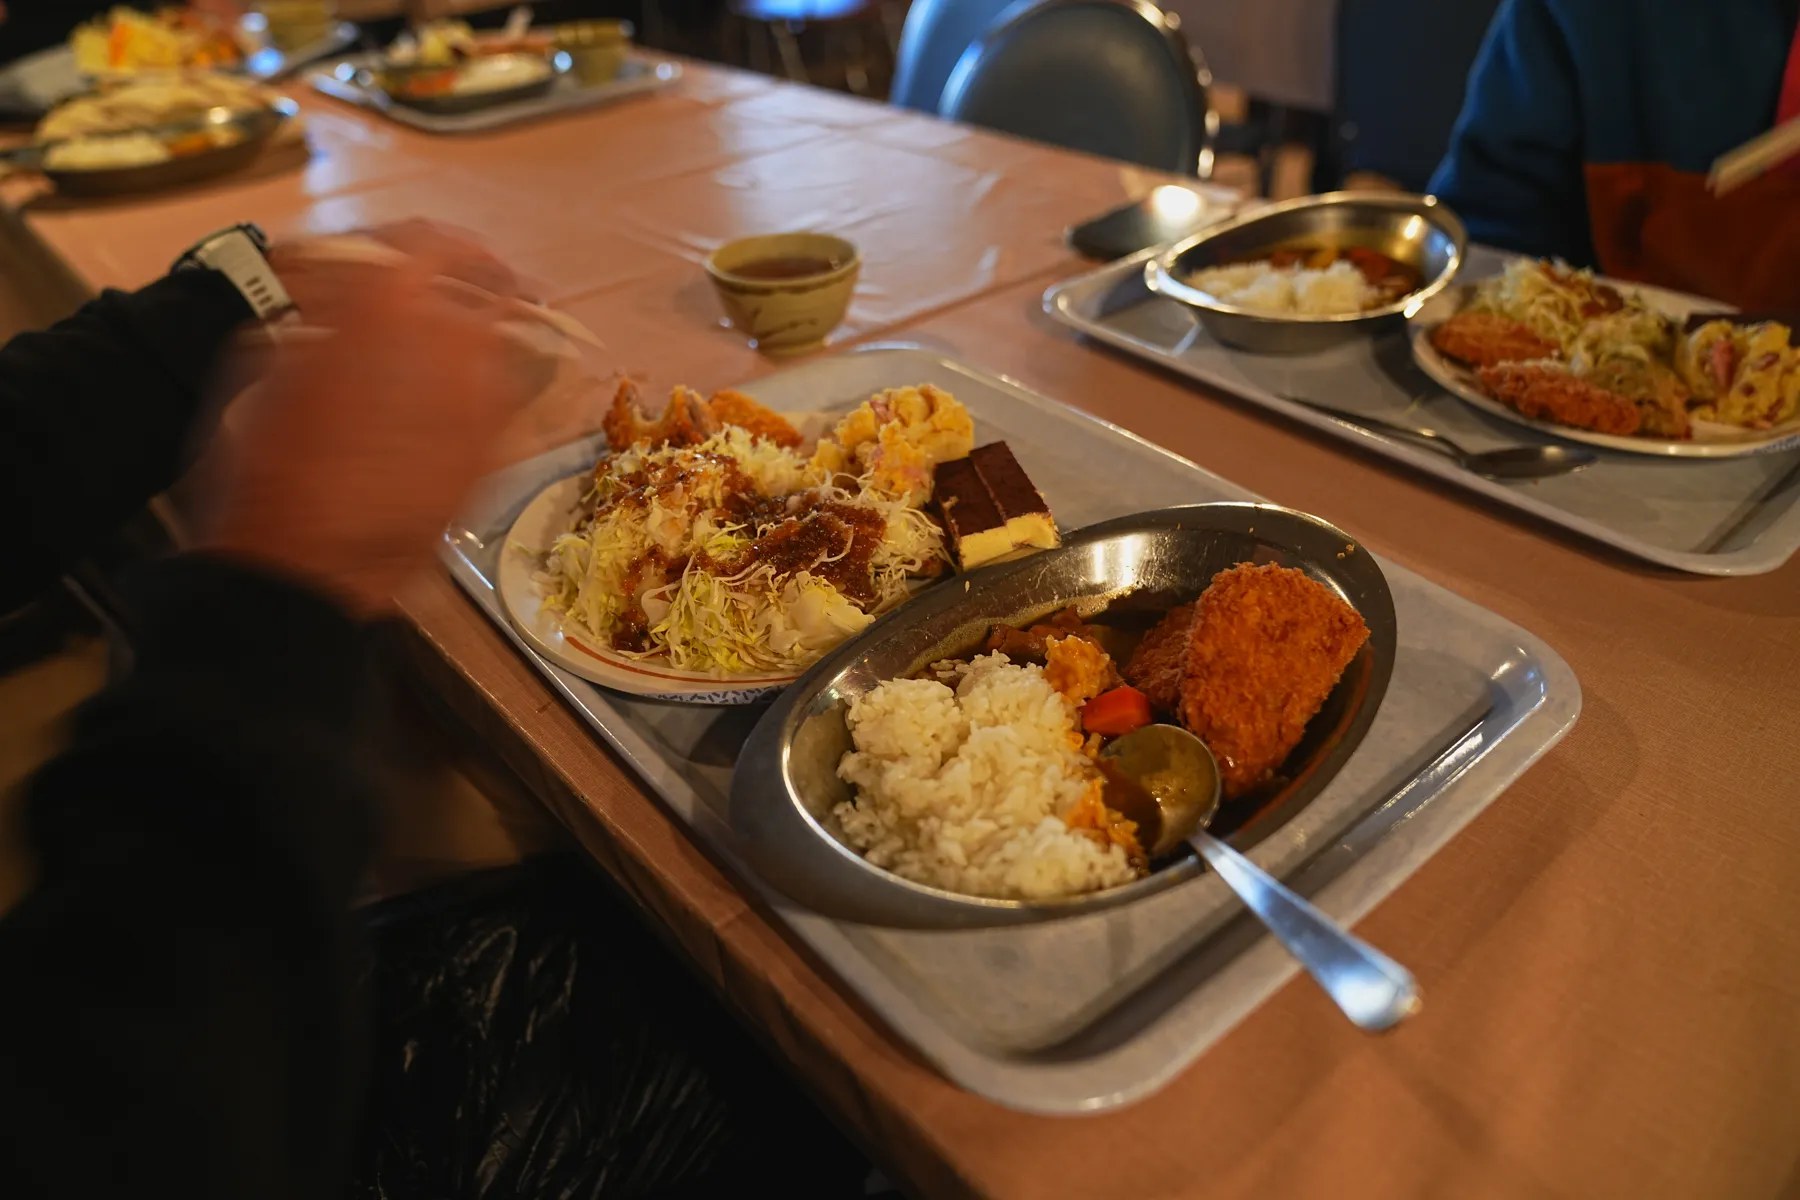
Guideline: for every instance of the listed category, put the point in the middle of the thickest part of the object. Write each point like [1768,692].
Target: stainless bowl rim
[768,749]
[1159,272]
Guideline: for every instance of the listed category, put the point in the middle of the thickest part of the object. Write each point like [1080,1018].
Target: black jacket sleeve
[176,990]
[98,414]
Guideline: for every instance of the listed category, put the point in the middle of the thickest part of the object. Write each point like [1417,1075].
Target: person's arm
[175,1005]
[1514,168]
[100,414]
[178,1005]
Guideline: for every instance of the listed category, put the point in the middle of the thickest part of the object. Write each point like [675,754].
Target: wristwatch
[240,254]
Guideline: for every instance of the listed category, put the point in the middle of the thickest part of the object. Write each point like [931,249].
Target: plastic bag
[532,1039]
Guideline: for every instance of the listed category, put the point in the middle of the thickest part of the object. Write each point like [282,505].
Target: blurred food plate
[357,80]
[37,83]
[1709,439]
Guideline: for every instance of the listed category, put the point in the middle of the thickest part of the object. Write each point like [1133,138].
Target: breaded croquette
[735,408]
[1483,339]
[1550,393]
[1267,646]
[1160,660]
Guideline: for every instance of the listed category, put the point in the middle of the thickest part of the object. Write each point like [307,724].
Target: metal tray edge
[1059,305]
[1056,1089]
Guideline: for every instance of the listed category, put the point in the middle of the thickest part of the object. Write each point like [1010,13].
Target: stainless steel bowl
[1416,230]
[786,783]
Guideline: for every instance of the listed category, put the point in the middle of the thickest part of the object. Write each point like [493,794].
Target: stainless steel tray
[641,73]
[1081,1014]
[1732,517]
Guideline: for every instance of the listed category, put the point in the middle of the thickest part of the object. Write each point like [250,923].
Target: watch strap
[238,254]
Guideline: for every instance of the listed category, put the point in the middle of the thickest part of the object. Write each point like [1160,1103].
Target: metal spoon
[1508,462]
[1170,787]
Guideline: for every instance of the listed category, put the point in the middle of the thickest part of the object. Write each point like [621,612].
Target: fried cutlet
[1267,646]
[1551,394]
[1160,660]
[735,408]
[1483,339]
[686,421]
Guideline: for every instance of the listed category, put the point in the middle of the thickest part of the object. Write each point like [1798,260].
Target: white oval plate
[1710,440]
[537,527]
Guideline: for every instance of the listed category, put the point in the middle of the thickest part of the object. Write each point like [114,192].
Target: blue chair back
[1397,122]
[932,41]
[1111,77]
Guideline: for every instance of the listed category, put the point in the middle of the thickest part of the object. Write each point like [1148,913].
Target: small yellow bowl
[597,50]
[785,291]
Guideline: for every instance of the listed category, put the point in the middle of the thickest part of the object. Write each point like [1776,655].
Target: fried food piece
[625,423]
[1267,646]
[1160,660]
[685,421]
[735,408]
[1078,668]
[1482,339]
[1550,393]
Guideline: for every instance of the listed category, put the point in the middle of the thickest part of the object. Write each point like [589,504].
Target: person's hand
[363,440]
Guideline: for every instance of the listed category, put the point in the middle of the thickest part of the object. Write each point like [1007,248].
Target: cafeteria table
[1610,953]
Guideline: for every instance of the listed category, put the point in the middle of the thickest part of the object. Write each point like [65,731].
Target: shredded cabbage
[701,620]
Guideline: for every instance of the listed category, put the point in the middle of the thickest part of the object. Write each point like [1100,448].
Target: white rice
[1339,288]
[960,789]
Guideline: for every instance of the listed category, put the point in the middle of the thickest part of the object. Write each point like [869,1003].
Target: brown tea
[790,267]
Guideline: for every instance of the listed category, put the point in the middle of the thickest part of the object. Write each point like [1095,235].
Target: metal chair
[932,42]
[1111,77]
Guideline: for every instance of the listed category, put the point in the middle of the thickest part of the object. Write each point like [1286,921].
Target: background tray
[1733,517]
[33,85]
[641,73]
[1077,1015]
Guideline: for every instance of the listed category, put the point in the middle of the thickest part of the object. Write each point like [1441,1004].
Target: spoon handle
[1374,991]
[1430,439]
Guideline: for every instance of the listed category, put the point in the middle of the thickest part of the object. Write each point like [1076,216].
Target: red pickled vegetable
[1116,712]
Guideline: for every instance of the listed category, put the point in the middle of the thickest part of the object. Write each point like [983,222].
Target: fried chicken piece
[1078,668]
[1267,646]
[625,423]
[1160,661]
[685,421]
[1482,339]
[1549,393]
[735,408]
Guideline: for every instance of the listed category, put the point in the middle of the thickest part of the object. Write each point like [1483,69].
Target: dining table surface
[1610,953]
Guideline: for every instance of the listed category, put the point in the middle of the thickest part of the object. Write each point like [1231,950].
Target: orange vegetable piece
[1117,712]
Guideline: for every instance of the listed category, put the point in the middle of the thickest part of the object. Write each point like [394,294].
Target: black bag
[533,1040]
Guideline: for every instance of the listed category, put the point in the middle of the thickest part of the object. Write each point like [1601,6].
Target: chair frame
[1187,56]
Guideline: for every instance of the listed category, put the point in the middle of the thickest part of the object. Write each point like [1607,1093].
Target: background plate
[1710,440]
[1731,516]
